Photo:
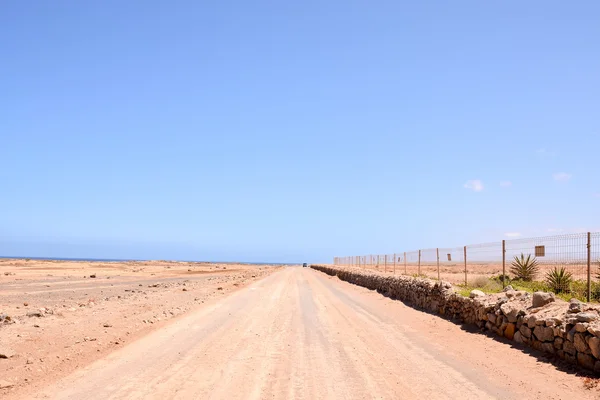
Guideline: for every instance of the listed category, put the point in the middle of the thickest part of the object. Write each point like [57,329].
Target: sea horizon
[137,259]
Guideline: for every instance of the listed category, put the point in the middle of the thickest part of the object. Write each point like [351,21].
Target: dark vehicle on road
[304,265]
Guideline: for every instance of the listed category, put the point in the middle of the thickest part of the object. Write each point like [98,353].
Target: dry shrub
[480,281]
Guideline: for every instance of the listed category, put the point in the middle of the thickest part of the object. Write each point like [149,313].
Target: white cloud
[475,185]
[506,183]
[512,234]
[562,176]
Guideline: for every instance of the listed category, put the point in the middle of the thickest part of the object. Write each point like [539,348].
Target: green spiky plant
[559,280]
[525,268]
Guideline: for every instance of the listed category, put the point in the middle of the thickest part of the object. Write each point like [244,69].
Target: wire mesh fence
[568,265]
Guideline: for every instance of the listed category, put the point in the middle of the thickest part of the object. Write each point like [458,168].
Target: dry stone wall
[570,331]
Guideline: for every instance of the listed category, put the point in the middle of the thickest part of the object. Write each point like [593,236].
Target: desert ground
[270,332]
[455,272]
[58,316]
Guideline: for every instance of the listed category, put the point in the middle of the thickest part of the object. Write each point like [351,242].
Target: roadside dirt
[63,315]
[300,334]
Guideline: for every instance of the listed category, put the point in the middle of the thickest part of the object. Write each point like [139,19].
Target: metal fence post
[466,266]
[405,267]
[589,266]
[377,261]
[419,268]
[438,261]
[503,263]
[394,263]
[385,263]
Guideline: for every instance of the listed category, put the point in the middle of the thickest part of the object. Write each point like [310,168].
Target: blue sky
[292,131]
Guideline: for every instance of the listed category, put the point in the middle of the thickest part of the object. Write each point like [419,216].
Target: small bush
[529,286]
[559,280]
[498,279]
[480,281]
[525,269]
[595,295]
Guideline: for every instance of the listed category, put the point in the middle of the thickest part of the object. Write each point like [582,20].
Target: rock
[586,317]
[184,289]
[509,332]
[570,358]
[580,327]
[6,384]
[518,337]
[6,353]
[540,299]
[508,288]
[569,348]
[575,306]
[38,314]
[511,310]
[536,344]
[26,304]
[491,317]
[29,361]
[107,325]
[544,333]
[580,344]
[530,320]
[219,288]
[548,347]
[558,343]
[93,276]
[570,336]
[503,326]
[585,360]
[594,344]
[557,330]
[594,330]
[476,293]
[525,331]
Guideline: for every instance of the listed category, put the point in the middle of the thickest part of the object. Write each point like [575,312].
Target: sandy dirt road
[299,334]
